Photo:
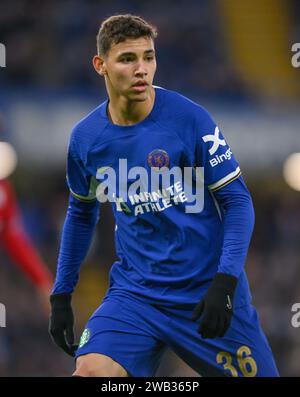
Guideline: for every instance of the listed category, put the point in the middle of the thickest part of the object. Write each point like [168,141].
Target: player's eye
[126,59]
[149,57]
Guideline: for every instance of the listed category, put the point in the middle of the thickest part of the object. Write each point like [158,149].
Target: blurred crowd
[51,44]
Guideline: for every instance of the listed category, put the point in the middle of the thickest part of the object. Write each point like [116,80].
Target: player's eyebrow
[133,53]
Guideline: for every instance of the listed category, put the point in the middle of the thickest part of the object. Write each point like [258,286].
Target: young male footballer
[179,282]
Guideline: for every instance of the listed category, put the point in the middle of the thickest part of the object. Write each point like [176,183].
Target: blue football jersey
[168,253]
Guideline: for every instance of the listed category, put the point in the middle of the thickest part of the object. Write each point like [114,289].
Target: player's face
[129,68]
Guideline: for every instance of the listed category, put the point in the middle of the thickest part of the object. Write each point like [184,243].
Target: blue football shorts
[135,334]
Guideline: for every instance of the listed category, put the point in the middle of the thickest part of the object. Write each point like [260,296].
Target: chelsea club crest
[158,158]
[84,337]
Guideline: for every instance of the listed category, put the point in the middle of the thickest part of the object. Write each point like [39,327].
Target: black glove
[61,322]
[216,307]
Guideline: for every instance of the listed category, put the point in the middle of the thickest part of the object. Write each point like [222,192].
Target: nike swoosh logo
[229,304]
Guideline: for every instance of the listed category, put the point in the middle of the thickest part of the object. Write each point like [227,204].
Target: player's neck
[124,112]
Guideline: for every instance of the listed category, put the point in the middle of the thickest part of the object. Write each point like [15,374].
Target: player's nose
[141,69]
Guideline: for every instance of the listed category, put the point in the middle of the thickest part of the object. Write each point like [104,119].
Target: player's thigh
[243,351]
[94,364]
[121,330]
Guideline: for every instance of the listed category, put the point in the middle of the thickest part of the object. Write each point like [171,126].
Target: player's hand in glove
[61,322]
[216,308]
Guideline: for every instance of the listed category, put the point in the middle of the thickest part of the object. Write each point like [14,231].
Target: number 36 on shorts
[246,363]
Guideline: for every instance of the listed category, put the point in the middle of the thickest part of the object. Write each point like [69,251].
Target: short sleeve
[82,185]
[213,153]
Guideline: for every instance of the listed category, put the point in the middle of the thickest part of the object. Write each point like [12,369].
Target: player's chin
[139,96]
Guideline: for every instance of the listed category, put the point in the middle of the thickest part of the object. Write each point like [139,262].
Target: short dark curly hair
[118,28]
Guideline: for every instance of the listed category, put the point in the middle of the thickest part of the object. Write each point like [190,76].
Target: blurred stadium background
[233,57]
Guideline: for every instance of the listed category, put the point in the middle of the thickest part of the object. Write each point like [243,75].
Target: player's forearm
[238,219]
[76,239]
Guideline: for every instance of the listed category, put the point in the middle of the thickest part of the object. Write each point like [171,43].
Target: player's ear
[99,65]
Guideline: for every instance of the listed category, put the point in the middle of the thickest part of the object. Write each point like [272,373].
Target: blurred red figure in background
[15,241]
[13,237]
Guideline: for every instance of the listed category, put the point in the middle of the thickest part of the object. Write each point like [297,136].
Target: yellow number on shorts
[246,363]
[228,362]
